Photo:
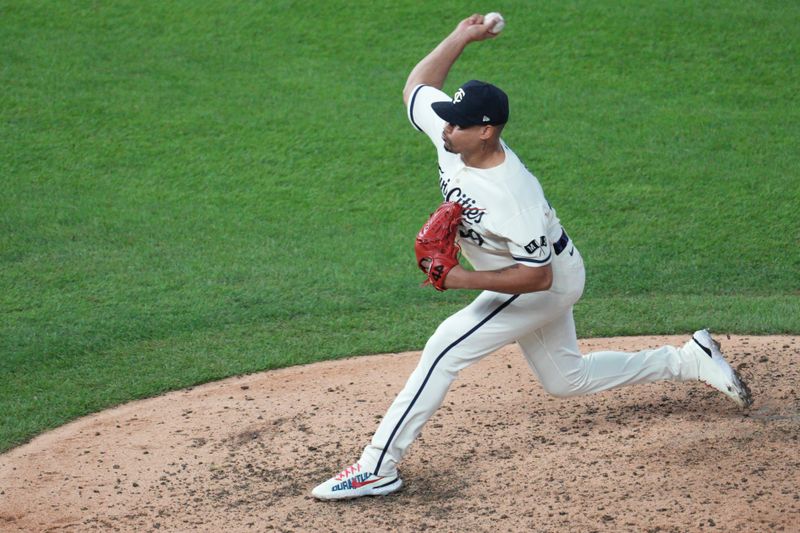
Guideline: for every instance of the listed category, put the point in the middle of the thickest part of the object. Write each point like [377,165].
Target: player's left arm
[514,279]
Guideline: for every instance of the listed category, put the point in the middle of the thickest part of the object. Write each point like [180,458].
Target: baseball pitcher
[528,269]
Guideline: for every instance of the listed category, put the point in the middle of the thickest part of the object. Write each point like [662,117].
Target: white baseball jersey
[507,218]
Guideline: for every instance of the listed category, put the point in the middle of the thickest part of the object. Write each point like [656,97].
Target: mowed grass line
[195,190]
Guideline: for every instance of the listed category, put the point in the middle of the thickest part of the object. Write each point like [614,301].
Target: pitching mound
[501,455]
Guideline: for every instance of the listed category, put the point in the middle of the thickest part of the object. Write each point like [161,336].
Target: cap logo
[458,96]
[486,119]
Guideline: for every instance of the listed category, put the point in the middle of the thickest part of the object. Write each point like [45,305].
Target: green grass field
[193,190]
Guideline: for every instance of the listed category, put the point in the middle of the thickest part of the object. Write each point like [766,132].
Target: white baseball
[499,25]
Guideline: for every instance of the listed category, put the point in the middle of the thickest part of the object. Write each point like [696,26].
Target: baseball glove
[436,248]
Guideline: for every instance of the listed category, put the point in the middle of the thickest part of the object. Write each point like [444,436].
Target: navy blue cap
[475,103]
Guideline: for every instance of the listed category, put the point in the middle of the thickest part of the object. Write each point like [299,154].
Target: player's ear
[487,132]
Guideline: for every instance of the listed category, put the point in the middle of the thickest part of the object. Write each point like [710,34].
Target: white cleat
[354,482]
[714,370]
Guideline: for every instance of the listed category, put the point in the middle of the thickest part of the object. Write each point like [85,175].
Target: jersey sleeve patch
[537,246]
[538,250]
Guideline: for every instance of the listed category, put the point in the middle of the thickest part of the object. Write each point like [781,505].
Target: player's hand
[473,28]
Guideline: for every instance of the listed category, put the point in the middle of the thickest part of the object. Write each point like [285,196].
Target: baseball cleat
[715,371]
[354,482]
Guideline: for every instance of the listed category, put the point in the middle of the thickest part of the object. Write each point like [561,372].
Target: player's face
[458,139]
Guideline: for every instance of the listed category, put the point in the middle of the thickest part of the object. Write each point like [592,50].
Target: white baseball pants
[542,324]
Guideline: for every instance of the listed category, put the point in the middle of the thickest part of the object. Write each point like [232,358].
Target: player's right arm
[434,67]
[425,81]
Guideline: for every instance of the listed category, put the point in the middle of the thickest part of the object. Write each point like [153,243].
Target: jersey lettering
[472,234]
[471,213]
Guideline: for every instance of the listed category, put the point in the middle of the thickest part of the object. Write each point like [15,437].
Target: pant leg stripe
[430,372]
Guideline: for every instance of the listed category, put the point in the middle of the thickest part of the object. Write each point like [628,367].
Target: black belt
[561,243]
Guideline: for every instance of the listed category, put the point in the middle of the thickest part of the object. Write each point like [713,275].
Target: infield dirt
[500,455]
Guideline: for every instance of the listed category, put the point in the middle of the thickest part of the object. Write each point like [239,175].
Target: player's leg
[552,351]
[462,339]
[490,322]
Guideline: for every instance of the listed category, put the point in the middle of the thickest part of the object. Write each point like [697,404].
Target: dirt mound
[500,455]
